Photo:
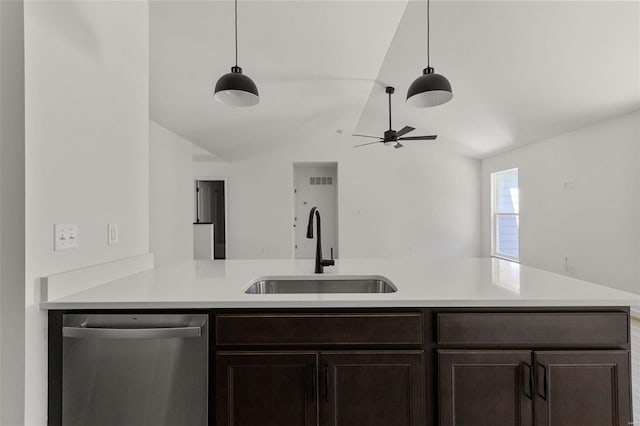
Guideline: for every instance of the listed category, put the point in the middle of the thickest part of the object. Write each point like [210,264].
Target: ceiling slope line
[378,79]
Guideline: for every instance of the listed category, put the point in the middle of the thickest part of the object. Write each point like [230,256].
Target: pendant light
[235,88]
[430,89]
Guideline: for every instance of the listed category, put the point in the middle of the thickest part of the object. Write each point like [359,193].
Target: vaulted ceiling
[521,71]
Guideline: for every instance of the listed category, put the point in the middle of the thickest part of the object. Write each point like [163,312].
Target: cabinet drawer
[319,329]
[556,328]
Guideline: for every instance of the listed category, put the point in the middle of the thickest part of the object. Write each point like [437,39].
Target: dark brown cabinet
[540,388]
[485,388]
[371,388]
[348,368]
[502,366]
[586,388]
[267,389]
[551,367]
[347,388]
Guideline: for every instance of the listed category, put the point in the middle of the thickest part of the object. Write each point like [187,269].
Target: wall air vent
[324,180]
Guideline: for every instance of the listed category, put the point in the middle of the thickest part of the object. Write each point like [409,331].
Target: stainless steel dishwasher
[135,370]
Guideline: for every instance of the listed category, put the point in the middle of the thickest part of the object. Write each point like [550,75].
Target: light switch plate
[113,235]
[66,237]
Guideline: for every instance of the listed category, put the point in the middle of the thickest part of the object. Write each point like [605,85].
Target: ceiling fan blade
[367,136]
[404,131]
[419,138]
[368,143]
[398,145]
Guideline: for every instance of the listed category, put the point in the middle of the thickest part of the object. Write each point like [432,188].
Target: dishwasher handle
[131,333]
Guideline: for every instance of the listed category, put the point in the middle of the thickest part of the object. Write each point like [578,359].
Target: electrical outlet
[569,266]
[113,234]
[65,237]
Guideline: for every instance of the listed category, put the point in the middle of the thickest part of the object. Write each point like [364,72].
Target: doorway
[210,210]
[315,185]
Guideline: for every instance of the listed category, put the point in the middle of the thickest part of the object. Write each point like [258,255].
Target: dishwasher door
[135,370]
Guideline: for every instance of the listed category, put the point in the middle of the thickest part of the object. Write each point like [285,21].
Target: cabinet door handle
[544,386]
[314,383]
[326,383]
[527,380]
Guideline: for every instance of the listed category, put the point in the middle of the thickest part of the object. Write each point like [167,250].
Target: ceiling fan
[391,137]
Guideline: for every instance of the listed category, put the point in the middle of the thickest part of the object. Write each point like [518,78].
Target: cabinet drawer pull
[527,380]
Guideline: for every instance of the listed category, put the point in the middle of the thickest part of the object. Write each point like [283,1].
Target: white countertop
[421,283]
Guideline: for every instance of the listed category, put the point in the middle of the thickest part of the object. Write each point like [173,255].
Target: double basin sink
[317,285]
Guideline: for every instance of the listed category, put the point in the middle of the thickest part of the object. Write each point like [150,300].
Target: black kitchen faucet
[320,262]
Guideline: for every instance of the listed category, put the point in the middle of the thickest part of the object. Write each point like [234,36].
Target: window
[505,215]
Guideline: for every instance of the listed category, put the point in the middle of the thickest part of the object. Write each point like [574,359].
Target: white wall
[170,195]
[12,261]
[390,202]
[597,223]
[86,148]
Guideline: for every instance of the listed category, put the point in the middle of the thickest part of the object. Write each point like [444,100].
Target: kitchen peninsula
[461,342]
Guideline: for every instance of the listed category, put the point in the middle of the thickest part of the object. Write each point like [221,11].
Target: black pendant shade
[236,89]
[430,89]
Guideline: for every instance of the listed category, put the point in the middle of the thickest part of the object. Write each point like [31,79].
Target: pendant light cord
[389,111]
[428,34]
[236,27]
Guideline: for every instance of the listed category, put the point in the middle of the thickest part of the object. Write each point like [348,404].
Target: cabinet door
[586,388]
[372,388]
[485,388]
[266,388]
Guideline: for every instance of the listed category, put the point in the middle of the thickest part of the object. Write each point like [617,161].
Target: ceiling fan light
[430,89]
[236,89]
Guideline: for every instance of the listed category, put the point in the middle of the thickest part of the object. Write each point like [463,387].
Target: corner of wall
[595,221]
[86,157]
[12,218]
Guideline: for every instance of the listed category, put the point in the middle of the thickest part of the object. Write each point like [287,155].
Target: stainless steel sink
[289,285]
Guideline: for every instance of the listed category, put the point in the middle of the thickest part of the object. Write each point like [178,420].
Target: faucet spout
[310,225]
[320,262]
